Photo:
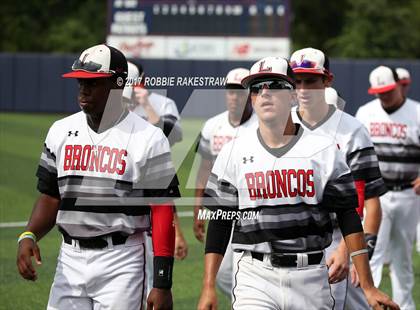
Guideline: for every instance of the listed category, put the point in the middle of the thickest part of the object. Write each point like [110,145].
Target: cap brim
[311,71]
[247,80]
[380,90]
[86,75]
[405,81]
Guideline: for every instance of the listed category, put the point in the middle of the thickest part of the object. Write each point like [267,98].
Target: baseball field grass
[21,140]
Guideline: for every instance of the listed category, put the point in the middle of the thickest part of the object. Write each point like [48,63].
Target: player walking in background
[313,75]
[293,179]
[96,176]
[161,112]
[394,125]
[216,132]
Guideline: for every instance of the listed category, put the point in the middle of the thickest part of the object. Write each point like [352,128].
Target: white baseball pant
[397,231]
[338,290]
[109,278]
[259,285]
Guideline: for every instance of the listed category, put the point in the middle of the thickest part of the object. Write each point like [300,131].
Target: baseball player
[293,180]
[394,126]
[313,75]
[102,171]
[216,132]
[162,112]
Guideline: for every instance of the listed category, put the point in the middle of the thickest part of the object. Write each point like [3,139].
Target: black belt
[288,260]
[97,242]
[398,186]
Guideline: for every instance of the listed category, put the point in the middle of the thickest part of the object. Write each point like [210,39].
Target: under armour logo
[250,159]
[161,272]
[73,133]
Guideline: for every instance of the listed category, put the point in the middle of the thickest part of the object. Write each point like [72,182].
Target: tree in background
[51,25]
[380,28]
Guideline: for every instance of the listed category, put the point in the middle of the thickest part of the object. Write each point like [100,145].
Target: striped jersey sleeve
[158,178]
[47,168]
[340,191]
[221,189]
[363,163]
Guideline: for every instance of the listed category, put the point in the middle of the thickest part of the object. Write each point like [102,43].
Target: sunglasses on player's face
[258,87]
[88,66]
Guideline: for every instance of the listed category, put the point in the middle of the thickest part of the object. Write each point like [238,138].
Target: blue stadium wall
[33,83]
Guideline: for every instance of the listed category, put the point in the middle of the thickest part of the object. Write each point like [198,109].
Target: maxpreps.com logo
[204,214]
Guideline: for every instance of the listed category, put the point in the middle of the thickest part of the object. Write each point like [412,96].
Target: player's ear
[328,79]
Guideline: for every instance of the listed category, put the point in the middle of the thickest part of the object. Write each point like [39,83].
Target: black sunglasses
[257,87]
[89,66]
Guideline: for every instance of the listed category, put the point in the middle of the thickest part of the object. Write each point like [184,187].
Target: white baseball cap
[403,76]
[381,80]
[132,80]
[99,61]
[310,60]
[235,76]
[269,67]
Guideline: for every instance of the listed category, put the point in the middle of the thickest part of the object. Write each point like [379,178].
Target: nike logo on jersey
[393,130]
[94,158]
[76,133]
[274,184]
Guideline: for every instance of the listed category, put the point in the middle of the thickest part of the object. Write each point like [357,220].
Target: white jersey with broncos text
[105,181]
[293,187]
[396,137]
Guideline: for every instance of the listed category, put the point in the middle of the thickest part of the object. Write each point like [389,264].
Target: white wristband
[359,252]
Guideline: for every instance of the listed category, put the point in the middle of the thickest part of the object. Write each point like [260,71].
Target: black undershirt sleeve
[218,235]
[348,221]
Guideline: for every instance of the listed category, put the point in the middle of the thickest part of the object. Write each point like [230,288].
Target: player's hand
[416,186]
[159,299]
[181,247]
[26,249]
[142,95]
[354,276]
[208,299]
[338,266]
[199,226]
[378,300]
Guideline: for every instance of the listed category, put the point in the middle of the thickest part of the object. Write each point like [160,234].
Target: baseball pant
[397,231]
[356,299]
[224,276]
[338,290]
[149,262]
[259,285]
[109,278]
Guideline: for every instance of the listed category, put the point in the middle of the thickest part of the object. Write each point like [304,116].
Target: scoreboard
[161,25]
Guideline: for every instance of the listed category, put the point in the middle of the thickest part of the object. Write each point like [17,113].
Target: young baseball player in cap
[312,74]
[293,179]
[216,132]
[98,183]
[393,122]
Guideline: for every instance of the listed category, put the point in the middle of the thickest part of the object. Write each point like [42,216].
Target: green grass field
[21,140]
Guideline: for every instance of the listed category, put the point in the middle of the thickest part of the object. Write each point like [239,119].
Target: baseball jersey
[396,139]
[293,188]
[105,181]
[353,140]
[217,131]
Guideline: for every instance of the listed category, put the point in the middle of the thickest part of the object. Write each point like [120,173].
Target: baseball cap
[235,76]
[99,61]
[133,79]
[382,79]
[310,60]
[269,67]
[403,76]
